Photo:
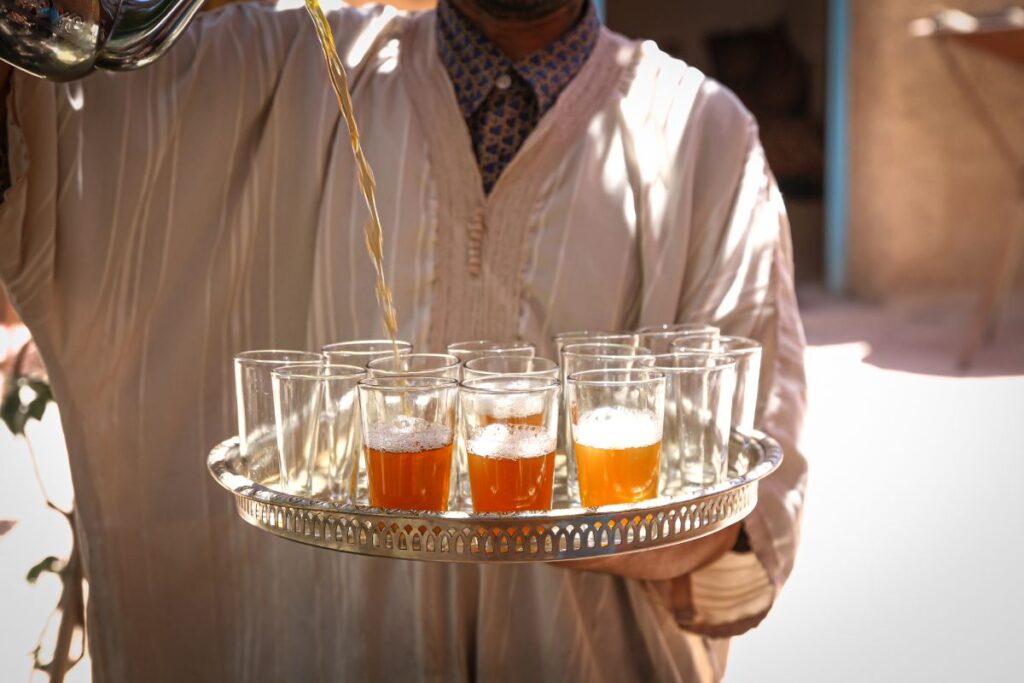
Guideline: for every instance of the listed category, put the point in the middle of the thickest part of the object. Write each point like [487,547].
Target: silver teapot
[65,39]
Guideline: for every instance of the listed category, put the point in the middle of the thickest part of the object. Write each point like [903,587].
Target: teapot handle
[144,31]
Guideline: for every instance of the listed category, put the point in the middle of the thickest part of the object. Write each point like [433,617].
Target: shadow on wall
[920,335]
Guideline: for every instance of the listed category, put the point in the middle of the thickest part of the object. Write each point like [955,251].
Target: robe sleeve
[89,159]
[740,278]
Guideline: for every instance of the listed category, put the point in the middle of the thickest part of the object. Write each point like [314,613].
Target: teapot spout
[143,31]
[55,39]
[62,40]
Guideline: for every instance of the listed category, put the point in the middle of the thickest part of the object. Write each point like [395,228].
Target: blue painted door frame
[837,148]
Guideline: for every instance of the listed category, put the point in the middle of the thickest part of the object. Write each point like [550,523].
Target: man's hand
[662,563]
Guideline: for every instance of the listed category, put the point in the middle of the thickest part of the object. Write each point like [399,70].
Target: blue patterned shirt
[502,100]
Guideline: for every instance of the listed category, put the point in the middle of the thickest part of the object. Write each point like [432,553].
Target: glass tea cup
[592,356]
[747,354]
[408,438]
[699,387]
[509,426]
[316,410]
[490,366]
[254,400]
[616,422]
[361,351]
[563,339]
[417,365]
[659,338]
[469,350]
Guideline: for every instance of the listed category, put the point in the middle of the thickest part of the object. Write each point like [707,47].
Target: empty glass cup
[747,354]
[699,388]
[316,408]
[254,398]
[417,365]
[490,366]
[659,338]
[603,356]
[563,339]
[678,328]
[468,350]
[694,341]
[361,351]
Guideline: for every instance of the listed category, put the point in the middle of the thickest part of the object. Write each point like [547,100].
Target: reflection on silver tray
[564,533]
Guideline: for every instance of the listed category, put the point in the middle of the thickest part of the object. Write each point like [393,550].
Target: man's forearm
[663,563]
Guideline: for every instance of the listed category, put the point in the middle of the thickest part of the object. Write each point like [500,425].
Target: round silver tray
[564,533]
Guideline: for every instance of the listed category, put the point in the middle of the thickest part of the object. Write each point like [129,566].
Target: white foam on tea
[407,435]
[617,428]
[505,441]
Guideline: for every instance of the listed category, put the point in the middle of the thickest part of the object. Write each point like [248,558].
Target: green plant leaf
[19,406]
[47,564]
[10,412]
[44,395]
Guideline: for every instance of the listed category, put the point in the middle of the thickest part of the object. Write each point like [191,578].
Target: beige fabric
[164,219]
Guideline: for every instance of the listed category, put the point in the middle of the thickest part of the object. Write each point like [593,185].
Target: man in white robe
[158,222]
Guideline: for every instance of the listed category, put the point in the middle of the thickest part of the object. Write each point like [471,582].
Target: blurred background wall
[931,197]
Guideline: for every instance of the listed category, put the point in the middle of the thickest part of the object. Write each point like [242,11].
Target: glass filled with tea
[510,429]
[408,435]
[616,420]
